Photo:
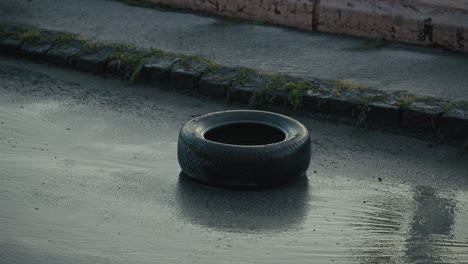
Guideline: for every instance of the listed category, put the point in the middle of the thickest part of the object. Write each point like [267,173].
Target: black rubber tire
[240,166]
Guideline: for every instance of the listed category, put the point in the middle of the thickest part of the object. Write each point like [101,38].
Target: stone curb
[440,120]
[420,22]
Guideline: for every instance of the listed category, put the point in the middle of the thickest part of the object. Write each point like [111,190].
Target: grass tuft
[361,113]
[64,37]
[451,105]
[340,86]
[130,58]
[280,83]
[406,99]
[29,36]
[379,97]
[88,48]
[186,59]
[244,76]
[137,72]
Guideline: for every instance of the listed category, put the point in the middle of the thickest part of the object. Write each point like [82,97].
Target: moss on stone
[64,37]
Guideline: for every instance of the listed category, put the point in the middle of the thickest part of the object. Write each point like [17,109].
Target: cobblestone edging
[442,120]
[420,22]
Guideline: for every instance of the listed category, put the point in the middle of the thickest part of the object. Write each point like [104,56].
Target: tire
[244,149]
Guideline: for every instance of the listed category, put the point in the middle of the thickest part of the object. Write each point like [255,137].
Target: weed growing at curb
[137,71]
[406,99]
[88,48]
[449,106]
[135,59]
[63,37]
[186,59]
[244,76]
[123,56]
[361,115]
[363,110]
[379,97]
[340,86]
[132,59]
[260,98]
[212,66]
[266,94]
[294,91]
[29,36]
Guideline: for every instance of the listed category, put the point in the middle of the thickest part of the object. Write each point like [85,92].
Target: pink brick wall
[421,22]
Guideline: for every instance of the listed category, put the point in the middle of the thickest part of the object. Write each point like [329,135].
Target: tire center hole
[247,134]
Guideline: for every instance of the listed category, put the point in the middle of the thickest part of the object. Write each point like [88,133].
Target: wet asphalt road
[89,174]
[429,72]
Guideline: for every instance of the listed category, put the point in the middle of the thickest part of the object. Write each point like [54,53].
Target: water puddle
[120,200]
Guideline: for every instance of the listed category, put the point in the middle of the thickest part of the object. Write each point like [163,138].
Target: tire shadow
[251,211]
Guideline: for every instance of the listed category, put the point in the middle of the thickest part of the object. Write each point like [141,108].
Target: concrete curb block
[422,116]
[187,74]
[420,22]
[65,54]
[216,83]
[95,60]
[38,49]
[428,117]
[10,45]
[453,124]
[158,70]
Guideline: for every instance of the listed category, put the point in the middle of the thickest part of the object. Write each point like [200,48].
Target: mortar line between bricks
[399,112]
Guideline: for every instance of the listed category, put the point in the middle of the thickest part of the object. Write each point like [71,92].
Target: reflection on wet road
[430,237]
[275,210]
[89,174]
